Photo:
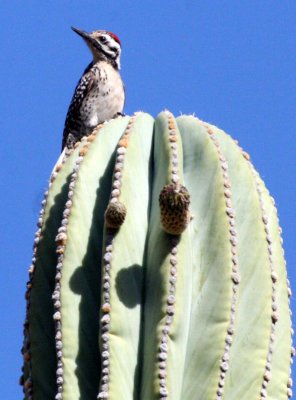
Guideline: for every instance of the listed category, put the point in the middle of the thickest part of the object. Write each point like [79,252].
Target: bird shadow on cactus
[86,281]
[131,298]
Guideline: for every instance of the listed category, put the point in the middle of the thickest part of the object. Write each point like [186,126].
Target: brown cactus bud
[115,215]
[174,201]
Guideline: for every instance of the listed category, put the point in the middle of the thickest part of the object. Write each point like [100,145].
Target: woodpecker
[99,94]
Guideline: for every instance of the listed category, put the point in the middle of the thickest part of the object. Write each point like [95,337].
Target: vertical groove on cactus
[269,213]
[27,367]
[173,222]
[28,384]
[165,326]
[235,277]
[61,241]
[170,220]
[289,294]
[275,364]
[170,311]
[210,297]
[290,381]
[113,220]
[128,259]
[106,319]
[274,278]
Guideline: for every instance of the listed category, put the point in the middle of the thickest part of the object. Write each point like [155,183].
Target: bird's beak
[83,34]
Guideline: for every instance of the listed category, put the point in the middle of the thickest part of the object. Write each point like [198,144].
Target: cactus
[157,271]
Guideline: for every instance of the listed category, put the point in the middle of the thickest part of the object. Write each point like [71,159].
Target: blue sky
[231,62]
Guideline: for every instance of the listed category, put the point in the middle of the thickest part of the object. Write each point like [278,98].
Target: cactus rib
[235,276]
[107,258]
[27,376]
[61,242]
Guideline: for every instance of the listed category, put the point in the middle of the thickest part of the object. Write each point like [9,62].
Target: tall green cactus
[158,271]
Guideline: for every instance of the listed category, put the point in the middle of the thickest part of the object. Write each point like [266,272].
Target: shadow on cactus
[157,272]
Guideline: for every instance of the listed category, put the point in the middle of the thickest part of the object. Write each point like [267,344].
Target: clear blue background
[233,63]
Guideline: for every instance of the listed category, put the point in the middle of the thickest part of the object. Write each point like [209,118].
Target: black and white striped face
[103,44]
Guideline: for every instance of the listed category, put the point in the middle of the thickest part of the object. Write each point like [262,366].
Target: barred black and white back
[99,95]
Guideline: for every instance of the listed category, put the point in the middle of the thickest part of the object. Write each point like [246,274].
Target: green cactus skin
[117,308]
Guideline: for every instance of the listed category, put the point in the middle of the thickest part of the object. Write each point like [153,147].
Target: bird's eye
[103,39]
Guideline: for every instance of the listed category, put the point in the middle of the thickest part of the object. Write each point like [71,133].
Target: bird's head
[103,45]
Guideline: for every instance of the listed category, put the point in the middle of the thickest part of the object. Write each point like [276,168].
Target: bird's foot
[118,114]
[71,141]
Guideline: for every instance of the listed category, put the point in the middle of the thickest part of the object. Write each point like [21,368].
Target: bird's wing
[73,123]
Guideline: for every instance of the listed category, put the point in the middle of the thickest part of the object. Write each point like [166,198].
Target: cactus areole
[157,271]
